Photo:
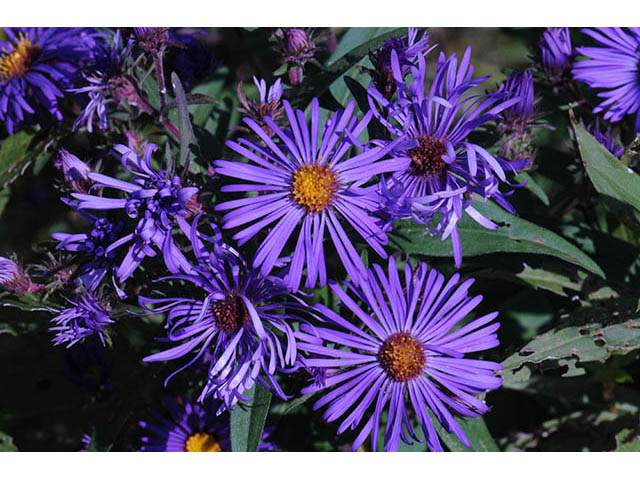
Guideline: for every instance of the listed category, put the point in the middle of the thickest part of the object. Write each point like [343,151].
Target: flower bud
[75,171]
[14,279]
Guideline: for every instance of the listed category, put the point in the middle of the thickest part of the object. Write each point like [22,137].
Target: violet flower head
[614,67]
[106,81]
[191,427]
[36,66]
[237,317]
[403,352]
[310,184]
[75,171]
[94,247]
[155,198]
[270,104]
[407,50]
[607,139]
[87,316]
[518,85]
[14,279]
[439,169]
[557,53]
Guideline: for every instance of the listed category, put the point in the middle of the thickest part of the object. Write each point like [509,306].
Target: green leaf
[187,138]
[558,283]
[533,187]
[609,176]
[247,420]
[627,441]
[14,157]
[314,85]
[297,402]
[605,332]
[201,113]
[6,443]
[5,195]
[477,434]
[513,235]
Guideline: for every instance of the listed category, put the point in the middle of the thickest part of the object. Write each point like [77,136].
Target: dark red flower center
[230,313]
[426,158]
[402,357]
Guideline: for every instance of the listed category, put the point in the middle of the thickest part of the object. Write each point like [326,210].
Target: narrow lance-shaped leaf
[184,124]
[247,420]
[513,235]
[609,176]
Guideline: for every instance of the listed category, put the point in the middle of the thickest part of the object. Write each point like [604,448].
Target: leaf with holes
[604,332]
[513,235]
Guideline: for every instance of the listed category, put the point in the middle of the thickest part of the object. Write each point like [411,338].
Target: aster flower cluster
[256,254]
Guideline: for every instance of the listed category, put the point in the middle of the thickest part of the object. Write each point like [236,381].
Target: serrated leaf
[315,85]
[609,176]
[247,420]
[6,443]
[513,235]
[14,157]
[606,332]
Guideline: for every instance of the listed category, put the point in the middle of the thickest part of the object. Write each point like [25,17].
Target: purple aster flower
[309,181]
[14,279]
[407,50]
[88,315]
[557,53]
[613,66]
[269,105]
[191,427]
[85,441]
[404,352]
[75,171]
[606,138]
[440,168]
[237,316]
[107,81]
[156,198]
[94,246]
[36,66]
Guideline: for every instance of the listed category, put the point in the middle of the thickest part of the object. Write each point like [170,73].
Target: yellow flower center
[402,357]
[313,187]
[16,63]
[202,442]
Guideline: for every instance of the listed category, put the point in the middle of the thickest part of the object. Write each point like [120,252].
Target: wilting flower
[191,427]
[94,247]
[407,50]
[156,198]
[440,168]
[297,47]
[614,67]
[269,105]
[14,279]
[152,39]
[310,183]
[515,125]
[88,315]
[107,81]
[237,316]
[74,170]
[557,53]
[404,351]
[36,66]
